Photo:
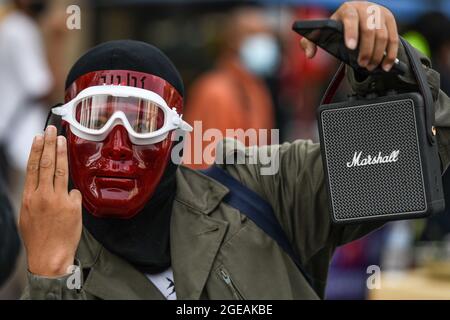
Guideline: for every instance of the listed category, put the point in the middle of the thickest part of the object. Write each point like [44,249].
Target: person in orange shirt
[234,95]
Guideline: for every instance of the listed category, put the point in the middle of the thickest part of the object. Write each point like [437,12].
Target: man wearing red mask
[139,227]
[119,121]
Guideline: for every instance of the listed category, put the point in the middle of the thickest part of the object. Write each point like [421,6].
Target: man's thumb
[309,48]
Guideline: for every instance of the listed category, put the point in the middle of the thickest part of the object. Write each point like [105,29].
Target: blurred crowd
[241,61]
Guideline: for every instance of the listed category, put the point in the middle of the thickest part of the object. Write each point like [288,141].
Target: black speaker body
[378,163]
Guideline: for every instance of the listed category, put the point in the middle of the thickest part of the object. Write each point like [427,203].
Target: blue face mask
[260,54]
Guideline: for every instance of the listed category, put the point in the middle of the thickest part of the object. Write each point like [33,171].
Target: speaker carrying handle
[334,85]
[419,74]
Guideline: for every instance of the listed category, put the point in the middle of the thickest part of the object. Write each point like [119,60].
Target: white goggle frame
[172,120]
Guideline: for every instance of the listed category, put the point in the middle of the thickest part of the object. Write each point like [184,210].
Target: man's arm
[50,219]
[373,43]
[297,192]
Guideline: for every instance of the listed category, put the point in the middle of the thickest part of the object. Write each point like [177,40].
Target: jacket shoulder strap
[257,209]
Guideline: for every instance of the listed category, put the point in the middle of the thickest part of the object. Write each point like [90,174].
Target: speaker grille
[378,189]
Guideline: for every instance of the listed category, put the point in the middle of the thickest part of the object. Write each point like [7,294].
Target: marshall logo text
[358,161]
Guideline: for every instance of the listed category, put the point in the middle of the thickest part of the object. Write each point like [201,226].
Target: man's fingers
[381,40]
[32,176]
[76,197]
[47,163]
[350,19]
[392,46]
[367,39]
[309,48]
[62,168]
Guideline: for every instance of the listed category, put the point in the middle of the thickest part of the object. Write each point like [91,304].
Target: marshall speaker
[380,154]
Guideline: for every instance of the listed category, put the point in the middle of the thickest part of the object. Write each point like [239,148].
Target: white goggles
[96,110]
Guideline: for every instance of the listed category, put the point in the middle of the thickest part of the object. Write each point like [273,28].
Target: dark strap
[258,210]
[419,74]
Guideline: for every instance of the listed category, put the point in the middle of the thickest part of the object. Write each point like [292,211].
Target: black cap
[127,55]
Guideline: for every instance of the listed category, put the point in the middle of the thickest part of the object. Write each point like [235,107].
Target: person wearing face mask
[236,87]
[106,197]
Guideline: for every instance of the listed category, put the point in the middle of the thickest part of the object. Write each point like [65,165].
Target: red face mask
[116,177]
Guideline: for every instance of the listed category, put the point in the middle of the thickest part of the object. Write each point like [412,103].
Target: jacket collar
[195,240]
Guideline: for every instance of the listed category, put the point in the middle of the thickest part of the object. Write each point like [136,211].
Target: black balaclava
[143,240]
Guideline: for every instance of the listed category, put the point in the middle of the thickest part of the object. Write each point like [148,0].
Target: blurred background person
[25,85]
[25,80]
[32,34]
[433,28]
[234,95]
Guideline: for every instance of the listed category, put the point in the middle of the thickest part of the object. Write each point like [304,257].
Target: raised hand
[50,216]
[373,39]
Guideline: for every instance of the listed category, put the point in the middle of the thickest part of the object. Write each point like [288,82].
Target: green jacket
[209,238]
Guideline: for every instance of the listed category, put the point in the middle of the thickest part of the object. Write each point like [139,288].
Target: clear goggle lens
[144,116]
